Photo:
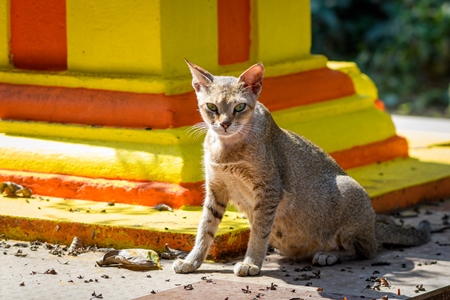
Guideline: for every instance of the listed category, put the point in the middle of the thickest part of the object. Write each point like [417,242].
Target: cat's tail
[403,236]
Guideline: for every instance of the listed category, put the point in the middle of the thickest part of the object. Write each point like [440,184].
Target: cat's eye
[211,107]
[240,107]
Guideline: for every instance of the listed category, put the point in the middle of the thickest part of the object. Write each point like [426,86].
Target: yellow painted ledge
[404,182]
[146,84]
[58,220]
[102,159]
[363,84]
[172,155]
[4,34]
[383,178]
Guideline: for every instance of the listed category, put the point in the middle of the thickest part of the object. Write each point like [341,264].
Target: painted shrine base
[392,185]
[58,220]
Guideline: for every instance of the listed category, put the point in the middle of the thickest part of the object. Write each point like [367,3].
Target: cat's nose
[225,125]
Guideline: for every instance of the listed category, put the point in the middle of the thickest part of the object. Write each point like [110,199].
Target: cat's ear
[252,78]
[200,77]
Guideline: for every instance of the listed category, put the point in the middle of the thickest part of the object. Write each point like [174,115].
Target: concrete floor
[79,277]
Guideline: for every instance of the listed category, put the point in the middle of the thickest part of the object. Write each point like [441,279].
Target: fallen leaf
[170,253]
[75,246]
[95,296]
[132,259]
[246,291]
[163,207]
[51,272]
[20,254]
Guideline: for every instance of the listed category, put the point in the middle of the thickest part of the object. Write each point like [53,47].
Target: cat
[296,197]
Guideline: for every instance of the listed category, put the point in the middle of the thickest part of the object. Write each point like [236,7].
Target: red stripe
[234,31]
[38,34]
[158,111]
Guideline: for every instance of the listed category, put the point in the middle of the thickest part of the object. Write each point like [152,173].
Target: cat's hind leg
[363,245]
[332,257]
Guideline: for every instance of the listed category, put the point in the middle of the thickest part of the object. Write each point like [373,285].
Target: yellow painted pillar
[4,34]
[188,31]
[283,30]
[114,36]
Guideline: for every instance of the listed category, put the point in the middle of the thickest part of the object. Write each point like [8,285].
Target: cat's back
[296,154]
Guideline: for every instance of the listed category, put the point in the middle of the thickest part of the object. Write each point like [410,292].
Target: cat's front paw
[324,259]
[183,266]
[245,269]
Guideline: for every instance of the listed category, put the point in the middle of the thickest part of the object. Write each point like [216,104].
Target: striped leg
[213,211]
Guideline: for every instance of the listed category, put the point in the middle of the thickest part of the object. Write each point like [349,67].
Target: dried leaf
[420,288]
[51,272]
[95,296]
[163,207]
[20,254]
[385,282]
[12,189]
[133,259]
[76,245]
[172,253]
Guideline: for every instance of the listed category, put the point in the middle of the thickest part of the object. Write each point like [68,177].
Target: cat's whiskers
[197,130]
[249,132]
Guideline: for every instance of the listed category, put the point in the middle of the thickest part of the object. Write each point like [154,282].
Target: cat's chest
[239,178]
[236,171]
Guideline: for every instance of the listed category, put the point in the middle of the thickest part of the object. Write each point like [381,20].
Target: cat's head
[227,103]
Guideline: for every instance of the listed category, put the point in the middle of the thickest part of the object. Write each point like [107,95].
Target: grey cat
[296,197]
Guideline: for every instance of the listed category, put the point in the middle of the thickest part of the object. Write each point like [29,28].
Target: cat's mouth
[225,132]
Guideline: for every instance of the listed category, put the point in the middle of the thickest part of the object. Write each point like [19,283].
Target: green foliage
[403,45]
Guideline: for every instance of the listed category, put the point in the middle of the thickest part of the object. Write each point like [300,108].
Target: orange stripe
[305,88]
[234,31]
[371,153]
[158,111]
[380,105]
[38,34]
[97,107]
[411,196]
[105,190]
